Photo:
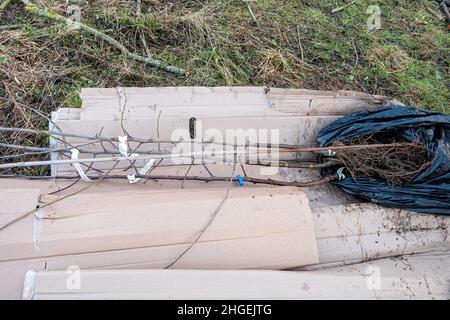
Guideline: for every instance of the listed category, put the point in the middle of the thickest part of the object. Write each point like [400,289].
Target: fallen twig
[252,14]
[32,8]
[10,27]
[343,7]
[4,5]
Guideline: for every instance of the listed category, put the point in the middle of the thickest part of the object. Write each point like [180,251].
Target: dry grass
[31,68]
[281,66]
[390,58]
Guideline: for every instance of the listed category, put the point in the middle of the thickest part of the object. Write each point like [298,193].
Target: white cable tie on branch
[123,145]
[132,178]
[74,156]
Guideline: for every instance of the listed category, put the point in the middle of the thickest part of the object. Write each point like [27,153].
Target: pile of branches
[396,163]
[389,159]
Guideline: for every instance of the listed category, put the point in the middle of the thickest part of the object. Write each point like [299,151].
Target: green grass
[290,43]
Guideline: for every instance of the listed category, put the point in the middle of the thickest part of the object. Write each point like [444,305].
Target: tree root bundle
[397,165]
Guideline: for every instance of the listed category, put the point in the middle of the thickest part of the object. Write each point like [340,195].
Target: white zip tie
[123,149]
[123,145]
[132,178]
[74,155]
[340,173]
[37,227]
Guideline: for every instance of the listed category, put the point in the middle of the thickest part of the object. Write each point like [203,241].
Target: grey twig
[34,9]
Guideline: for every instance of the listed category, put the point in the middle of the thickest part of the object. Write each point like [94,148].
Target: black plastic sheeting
[429,191]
